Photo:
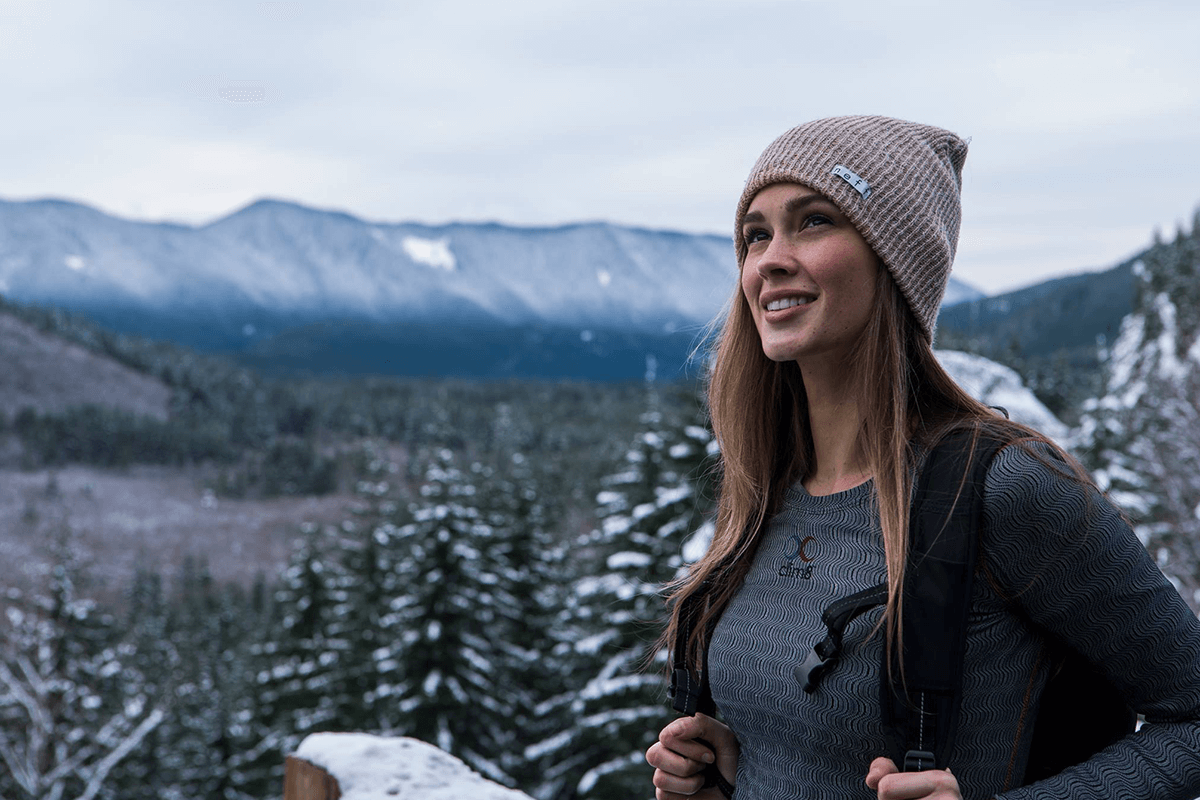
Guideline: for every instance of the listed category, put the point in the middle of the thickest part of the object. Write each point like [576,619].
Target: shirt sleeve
[1067,557]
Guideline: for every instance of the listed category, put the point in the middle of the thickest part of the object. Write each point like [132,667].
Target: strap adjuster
[685,693]
[918,761]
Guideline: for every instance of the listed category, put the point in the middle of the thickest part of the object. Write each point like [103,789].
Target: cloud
[648,113]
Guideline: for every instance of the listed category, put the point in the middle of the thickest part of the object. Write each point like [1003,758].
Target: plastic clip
[685,693]
[918,760]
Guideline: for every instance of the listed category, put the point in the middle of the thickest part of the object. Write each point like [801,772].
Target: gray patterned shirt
[1069,562]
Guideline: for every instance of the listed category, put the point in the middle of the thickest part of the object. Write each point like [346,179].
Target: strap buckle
[813,669]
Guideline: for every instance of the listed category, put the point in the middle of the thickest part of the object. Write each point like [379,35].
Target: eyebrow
[790,207]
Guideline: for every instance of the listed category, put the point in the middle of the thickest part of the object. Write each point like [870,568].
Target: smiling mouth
[788,302]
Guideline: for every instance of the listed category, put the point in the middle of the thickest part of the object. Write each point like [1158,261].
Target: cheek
[751,286]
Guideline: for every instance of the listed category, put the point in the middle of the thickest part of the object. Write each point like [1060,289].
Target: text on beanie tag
[859,184]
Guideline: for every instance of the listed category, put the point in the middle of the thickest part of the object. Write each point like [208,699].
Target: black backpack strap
[690,693]
[922,698]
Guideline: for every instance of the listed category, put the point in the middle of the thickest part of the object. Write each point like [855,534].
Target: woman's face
[809,277]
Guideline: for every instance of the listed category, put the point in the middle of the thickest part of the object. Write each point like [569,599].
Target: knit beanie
[898,183]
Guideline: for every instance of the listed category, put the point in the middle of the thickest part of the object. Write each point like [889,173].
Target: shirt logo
[803,549]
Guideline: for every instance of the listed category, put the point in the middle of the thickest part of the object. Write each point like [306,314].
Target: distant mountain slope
[46,373]
[327,282]
[1065,313]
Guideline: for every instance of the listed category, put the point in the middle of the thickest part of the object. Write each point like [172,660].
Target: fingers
[684,748]
[682,736]
[672,787]
[666,760]
[675,775]
[890,783]
[880,767]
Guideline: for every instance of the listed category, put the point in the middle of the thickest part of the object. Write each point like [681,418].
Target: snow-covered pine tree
[301,666]
[647,510]
[1142,437]
[369,584]
[450,643]
[529,561]
[372,590]
[209,740]
[150,772]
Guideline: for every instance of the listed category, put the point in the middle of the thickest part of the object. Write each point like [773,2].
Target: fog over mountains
[290,285]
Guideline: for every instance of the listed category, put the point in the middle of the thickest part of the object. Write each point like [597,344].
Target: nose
[777,260]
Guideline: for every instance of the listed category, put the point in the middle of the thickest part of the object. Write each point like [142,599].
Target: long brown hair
[759,414]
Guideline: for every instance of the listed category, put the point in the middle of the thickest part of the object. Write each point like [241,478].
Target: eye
[754,235]
[813,220]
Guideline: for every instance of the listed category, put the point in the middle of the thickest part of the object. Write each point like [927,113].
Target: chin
[780,354]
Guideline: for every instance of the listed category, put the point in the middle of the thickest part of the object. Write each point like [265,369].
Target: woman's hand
[892,784]
[679,759]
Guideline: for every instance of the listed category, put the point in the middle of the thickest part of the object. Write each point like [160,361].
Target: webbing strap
[921,702]
[836,617]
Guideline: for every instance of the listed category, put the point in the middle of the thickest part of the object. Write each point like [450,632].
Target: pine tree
[531,566]
[449,649]
[149,772]
[301,667]
[1140,437]
[646,511]
[207,741]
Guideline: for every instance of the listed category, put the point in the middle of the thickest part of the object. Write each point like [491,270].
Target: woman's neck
[835,422]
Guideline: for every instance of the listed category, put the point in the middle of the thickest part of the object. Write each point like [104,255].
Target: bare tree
[70,709]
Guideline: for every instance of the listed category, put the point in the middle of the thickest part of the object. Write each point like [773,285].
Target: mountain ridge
[277,268]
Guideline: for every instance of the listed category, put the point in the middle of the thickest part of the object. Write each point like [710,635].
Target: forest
[495,592]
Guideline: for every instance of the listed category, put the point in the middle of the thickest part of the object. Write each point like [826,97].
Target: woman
[824,397]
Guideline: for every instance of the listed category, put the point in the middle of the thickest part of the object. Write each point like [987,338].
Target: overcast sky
[1084,117]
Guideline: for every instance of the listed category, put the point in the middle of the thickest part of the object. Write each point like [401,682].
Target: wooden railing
[305,781]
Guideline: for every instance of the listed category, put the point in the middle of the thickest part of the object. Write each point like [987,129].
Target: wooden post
[305,781]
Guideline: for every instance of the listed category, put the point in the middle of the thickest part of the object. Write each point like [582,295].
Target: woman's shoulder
[1031,468]
[1026,476]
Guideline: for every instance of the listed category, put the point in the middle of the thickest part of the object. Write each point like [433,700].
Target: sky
[1083,116]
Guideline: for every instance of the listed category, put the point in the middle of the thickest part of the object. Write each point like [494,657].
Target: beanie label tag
[859,184]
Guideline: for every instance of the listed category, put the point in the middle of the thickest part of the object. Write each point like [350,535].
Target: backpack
[1080,712]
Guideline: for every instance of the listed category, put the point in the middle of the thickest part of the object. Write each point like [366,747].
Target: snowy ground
[382,768]
[120,520]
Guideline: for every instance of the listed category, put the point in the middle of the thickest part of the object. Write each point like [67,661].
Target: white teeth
[788,302]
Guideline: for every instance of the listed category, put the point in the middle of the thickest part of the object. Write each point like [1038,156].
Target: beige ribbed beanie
[898,182]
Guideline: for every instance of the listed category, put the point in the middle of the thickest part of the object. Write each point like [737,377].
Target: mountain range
[287,287]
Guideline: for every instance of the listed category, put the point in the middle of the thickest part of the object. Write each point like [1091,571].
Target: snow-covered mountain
[283,258]
[997,385]
[273,266]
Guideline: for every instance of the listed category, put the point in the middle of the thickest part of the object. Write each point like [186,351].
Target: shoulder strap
[921,688]
[690,693]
